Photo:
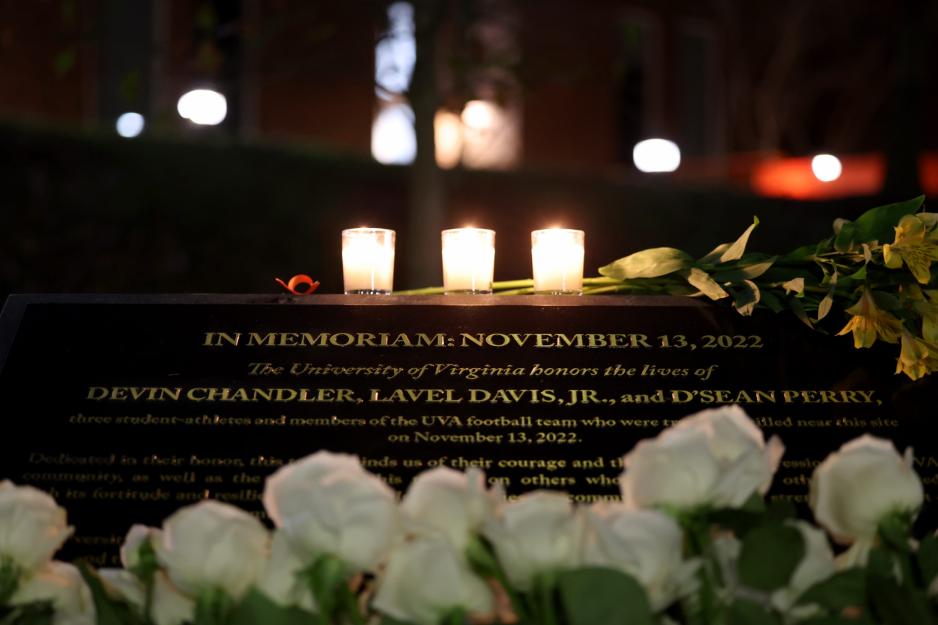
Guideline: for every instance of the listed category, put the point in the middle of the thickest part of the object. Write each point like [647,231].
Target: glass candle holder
[368,261]
[468,260]
[557,257]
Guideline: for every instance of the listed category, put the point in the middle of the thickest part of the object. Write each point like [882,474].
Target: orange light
[862,174]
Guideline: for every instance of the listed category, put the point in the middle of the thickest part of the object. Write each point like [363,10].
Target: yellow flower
[914,246]
[869,322]
[917,358]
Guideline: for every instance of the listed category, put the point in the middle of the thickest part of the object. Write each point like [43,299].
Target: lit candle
[468,260]
[368,261]
[557,256]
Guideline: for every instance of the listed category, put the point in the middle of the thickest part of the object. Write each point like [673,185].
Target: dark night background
[315,91]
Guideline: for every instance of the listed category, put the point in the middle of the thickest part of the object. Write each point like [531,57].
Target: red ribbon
[299,280]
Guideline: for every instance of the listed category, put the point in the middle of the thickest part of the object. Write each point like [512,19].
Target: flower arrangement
[887,290]
[693,540]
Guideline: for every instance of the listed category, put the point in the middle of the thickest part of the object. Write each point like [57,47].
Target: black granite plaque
[127,407]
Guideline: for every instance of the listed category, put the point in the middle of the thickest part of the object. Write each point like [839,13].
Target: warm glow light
[129,125]
[479,114]
[393,140]
[656,156]
[468,260]
[826,167]
[368,260]
[203,106]
[449,139]
[557,258]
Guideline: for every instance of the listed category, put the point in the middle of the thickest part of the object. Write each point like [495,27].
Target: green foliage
[650,263]
[877,224]
[109,609]
[256,608]
[816,282]
[838,592]
[36,613]
[744,612]
[770,555]
[599,596]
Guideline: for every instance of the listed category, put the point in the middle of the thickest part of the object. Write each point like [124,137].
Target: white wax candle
[368,260]
[557,257]
[468,260]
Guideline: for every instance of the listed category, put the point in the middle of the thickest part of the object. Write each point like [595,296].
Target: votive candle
[557,257]
[368,261]
[468,260]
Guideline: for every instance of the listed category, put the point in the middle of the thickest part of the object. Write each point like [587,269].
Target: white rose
[646,544]
[32,526]
[328,504]
[716,457]
[279,580]
[816,565]
[169,606]
[540,532]
[856,488]
[426,579]
[63,585]
[454,503]
[212,545]
[134,541]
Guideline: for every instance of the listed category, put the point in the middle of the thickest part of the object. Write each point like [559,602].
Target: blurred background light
[479,114]
[393,140]
[656,156]
[448,132]
[130,125]
[396,52]
[826,167]
[203,106]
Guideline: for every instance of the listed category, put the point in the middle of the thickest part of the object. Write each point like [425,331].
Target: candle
[368,261]
[557,256]
[468,260]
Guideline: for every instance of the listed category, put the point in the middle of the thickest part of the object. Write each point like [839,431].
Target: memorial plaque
[127,407]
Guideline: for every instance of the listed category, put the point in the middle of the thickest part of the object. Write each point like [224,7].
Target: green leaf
[734,251]
[781,510]
[327,579]
[769,556]
[702,280]
[772,301]
[34,613]
[825,306]
[746,297]
[846,235]
[598,596]
[746,612]
[859,274]
[798,310]
[895,531]
[744,272]
[9,579]
[927,558]
[713,256]
[258,608]
[881,563]
[886,301]
[805,253]
[650,263]
[877,224]
[840,590]
[898,605]
[109,610]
